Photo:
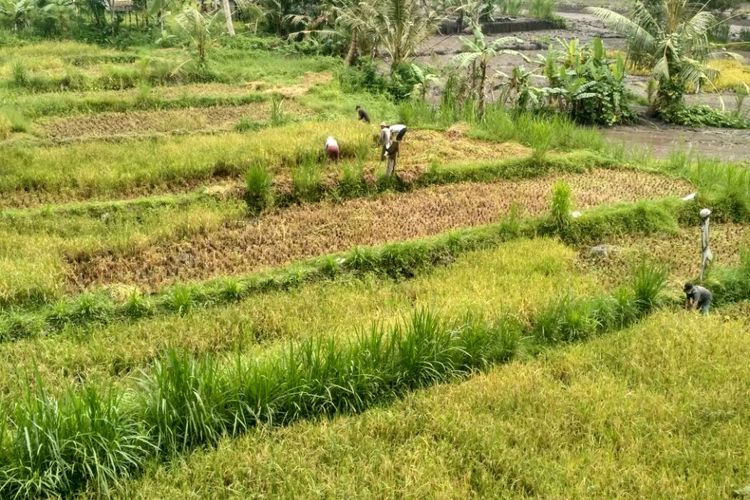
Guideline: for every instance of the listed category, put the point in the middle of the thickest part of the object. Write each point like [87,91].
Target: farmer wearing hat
[390,140]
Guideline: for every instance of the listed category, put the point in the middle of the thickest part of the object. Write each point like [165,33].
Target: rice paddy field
[195,302]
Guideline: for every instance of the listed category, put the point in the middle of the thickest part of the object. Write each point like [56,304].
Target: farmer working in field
[332,149]
[390,140]
[697,297]
[362,114]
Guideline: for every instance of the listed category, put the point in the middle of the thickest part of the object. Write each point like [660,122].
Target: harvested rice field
[133,124]
[302,232]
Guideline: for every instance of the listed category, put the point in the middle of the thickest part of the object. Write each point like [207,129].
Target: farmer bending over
[332,149]
[390,139]
[363,116]
[697,297]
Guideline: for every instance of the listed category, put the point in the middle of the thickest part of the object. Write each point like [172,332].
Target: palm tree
[17,12]
[478,53]
[671,38]
[398,26]
[198,30]
[228,16]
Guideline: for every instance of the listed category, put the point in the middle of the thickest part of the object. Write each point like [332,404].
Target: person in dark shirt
[697,297]
[363,116]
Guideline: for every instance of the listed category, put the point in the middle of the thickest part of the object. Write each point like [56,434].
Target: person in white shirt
[332,149]
[390,140]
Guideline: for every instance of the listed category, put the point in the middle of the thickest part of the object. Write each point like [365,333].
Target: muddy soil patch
[306,231]
[661,140]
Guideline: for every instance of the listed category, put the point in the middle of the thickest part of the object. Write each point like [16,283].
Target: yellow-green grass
[732,74]
[136,124]
[55,61]
[517,278]
[99,170]
[659,410]
[35,247]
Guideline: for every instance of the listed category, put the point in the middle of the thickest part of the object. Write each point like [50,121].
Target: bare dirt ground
[309,230]
[662,140]
[726,144]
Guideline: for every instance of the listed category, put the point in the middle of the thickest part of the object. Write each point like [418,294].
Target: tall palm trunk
[482,78]
[351,55]
[228,17]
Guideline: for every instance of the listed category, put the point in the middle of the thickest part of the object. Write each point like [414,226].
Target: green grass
[615,417]
[37,244]
[542,133]
[94,437]
[45,68]
[99,169]
[514,278]
[103,385]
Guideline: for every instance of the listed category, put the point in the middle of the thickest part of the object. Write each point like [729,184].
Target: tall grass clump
[731,284]
[307,181]
[560,209]
[570,319]
[352,183]
[258,188]
[648,281]
[58,446]
[542,9]
[95,438]
[12,120]
[278,116]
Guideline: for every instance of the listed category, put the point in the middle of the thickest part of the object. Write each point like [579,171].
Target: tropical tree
[16,12]
[228,16]
[198,30]
[669,37]
[396,26]
[477,54]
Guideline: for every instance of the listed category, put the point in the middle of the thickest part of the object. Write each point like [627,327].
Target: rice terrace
[374,249]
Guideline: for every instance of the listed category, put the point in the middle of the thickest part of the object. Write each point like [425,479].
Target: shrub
[703,116]
[258,183]
[561,207]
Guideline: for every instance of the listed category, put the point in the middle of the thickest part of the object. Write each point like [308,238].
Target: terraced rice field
[447,333]
[306,231]
[135,124]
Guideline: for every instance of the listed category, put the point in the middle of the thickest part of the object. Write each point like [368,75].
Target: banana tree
[16,12]
[198,30]
[674,44]
[478,53]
